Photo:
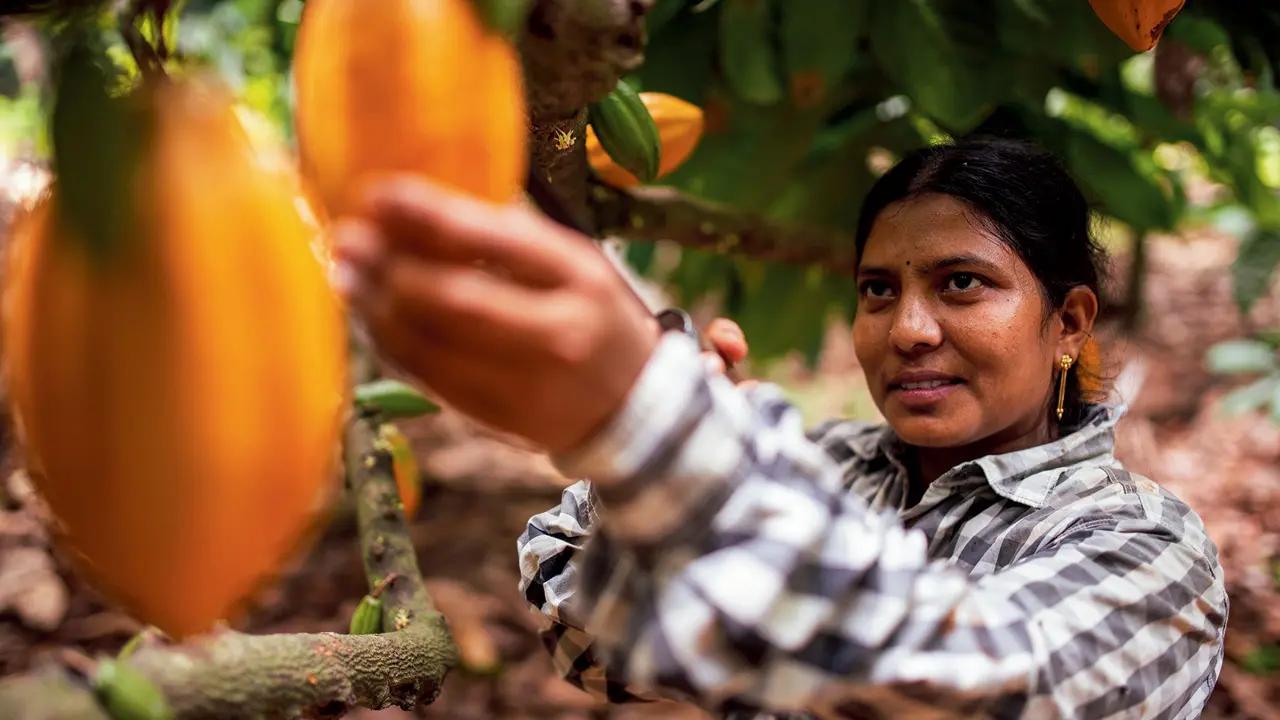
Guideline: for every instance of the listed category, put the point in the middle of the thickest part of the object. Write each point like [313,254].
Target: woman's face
[950,328]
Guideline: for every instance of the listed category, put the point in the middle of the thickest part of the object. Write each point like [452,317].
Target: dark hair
[1025,198]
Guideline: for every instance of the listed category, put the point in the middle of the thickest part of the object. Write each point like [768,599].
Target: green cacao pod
[627,131]
[367,618]
[748,53]
[127,694]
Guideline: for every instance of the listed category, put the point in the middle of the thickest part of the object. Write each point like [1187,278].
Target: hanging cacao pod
[623,126]
[416,86]
[1137,22]
[679,125]
[179,394]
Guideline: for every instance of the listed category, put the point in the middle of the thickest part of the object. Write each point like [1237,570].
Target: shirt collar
[1029,475]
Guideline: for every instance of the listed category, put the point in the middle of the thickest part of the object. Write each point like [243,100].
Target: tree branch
[660,213]
[231,674]
[574,51]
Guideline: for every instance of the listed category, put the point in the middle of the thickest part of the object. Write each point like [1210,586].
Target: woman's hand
[728,348]
[509,317]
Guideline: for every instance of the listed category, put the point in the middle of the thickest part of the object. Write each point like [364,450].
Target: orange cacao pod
[180,399]
[416,86]
[1137,22]
[405,468]
[679,129]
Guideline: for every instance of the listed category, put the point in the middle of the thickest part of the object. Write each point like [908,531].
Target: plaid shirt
[725,557]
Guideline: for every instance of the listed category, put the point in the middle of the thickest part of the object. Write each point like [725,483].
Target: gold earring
[1065,362]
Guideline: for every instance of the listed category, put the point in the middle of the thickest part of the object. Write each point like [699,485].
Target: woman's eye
[876,289]
[960,282]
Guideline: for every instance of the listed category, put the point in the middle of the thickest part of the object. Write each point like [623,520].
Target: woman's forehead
[929,229]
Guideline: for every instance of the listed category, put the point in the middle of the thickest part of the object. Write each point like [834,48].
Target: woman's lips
[923,393]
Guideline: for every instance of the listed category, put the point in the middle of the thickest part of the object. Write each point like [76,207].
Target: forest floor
[479,491]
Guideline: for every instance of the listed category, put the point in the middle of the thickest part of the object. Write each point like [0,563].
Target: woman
[983,552]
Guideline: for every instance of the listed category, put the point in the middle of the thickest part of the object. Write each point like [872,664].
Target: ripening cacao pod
[179,393]
[679,126]
[1137,22]
[413,86]
[404,466]
[627,132]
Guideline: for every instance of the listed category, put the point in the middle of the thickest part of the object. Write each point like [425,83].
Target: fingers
[713,362]
[431,221]
[727,339]
[466,306]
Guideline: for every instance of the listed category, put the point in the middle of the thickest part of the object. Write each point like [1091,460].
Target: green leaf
[1115,178]
[786,311]
[1254,266]
[1270,337]
[662,12]
[392,399]
[820,44]
[1241,356]
[1253,396]
[750,160]
[640,255]
[748,51]
[679,58]
[1262,660]
[915,47]
[699,271]
[504,16]
[97,146]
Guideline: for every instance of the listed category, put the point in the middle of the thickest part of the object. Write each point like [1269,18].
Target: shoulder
[1112,498]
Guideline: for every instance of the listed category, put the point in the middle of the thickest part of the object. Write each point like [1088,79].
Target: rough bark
[574,51]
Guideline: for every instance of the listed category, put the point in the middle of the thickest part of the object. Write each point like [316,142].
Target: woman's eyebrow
[926,268]
[959,260]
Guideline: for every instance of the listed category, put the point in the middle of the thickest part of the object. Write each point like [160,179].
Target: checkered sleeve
[729,568]
[548,578]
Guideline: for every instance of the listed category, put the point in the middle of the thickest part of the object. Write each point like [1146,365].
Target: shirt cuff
[669,452]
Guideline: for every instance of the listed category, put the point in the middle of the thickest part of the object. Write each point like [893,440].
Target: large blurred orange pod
[680,125]
[1137,22]
[180,397]
[418,86]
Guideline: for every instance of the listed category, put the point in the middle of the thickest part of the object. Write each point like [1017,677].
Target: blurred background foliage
[807,101]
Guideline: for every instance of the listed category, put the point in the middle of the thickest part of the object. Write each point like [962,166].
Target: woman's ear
[1079,311]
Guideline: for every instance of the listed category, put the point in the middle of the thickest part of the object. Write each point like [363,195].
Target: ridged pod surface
[180,397]
[415,86]
[680,125]
[1137,22]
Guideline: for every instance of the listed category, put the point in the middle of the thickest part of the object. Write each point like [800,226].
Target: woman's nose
[914,327]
